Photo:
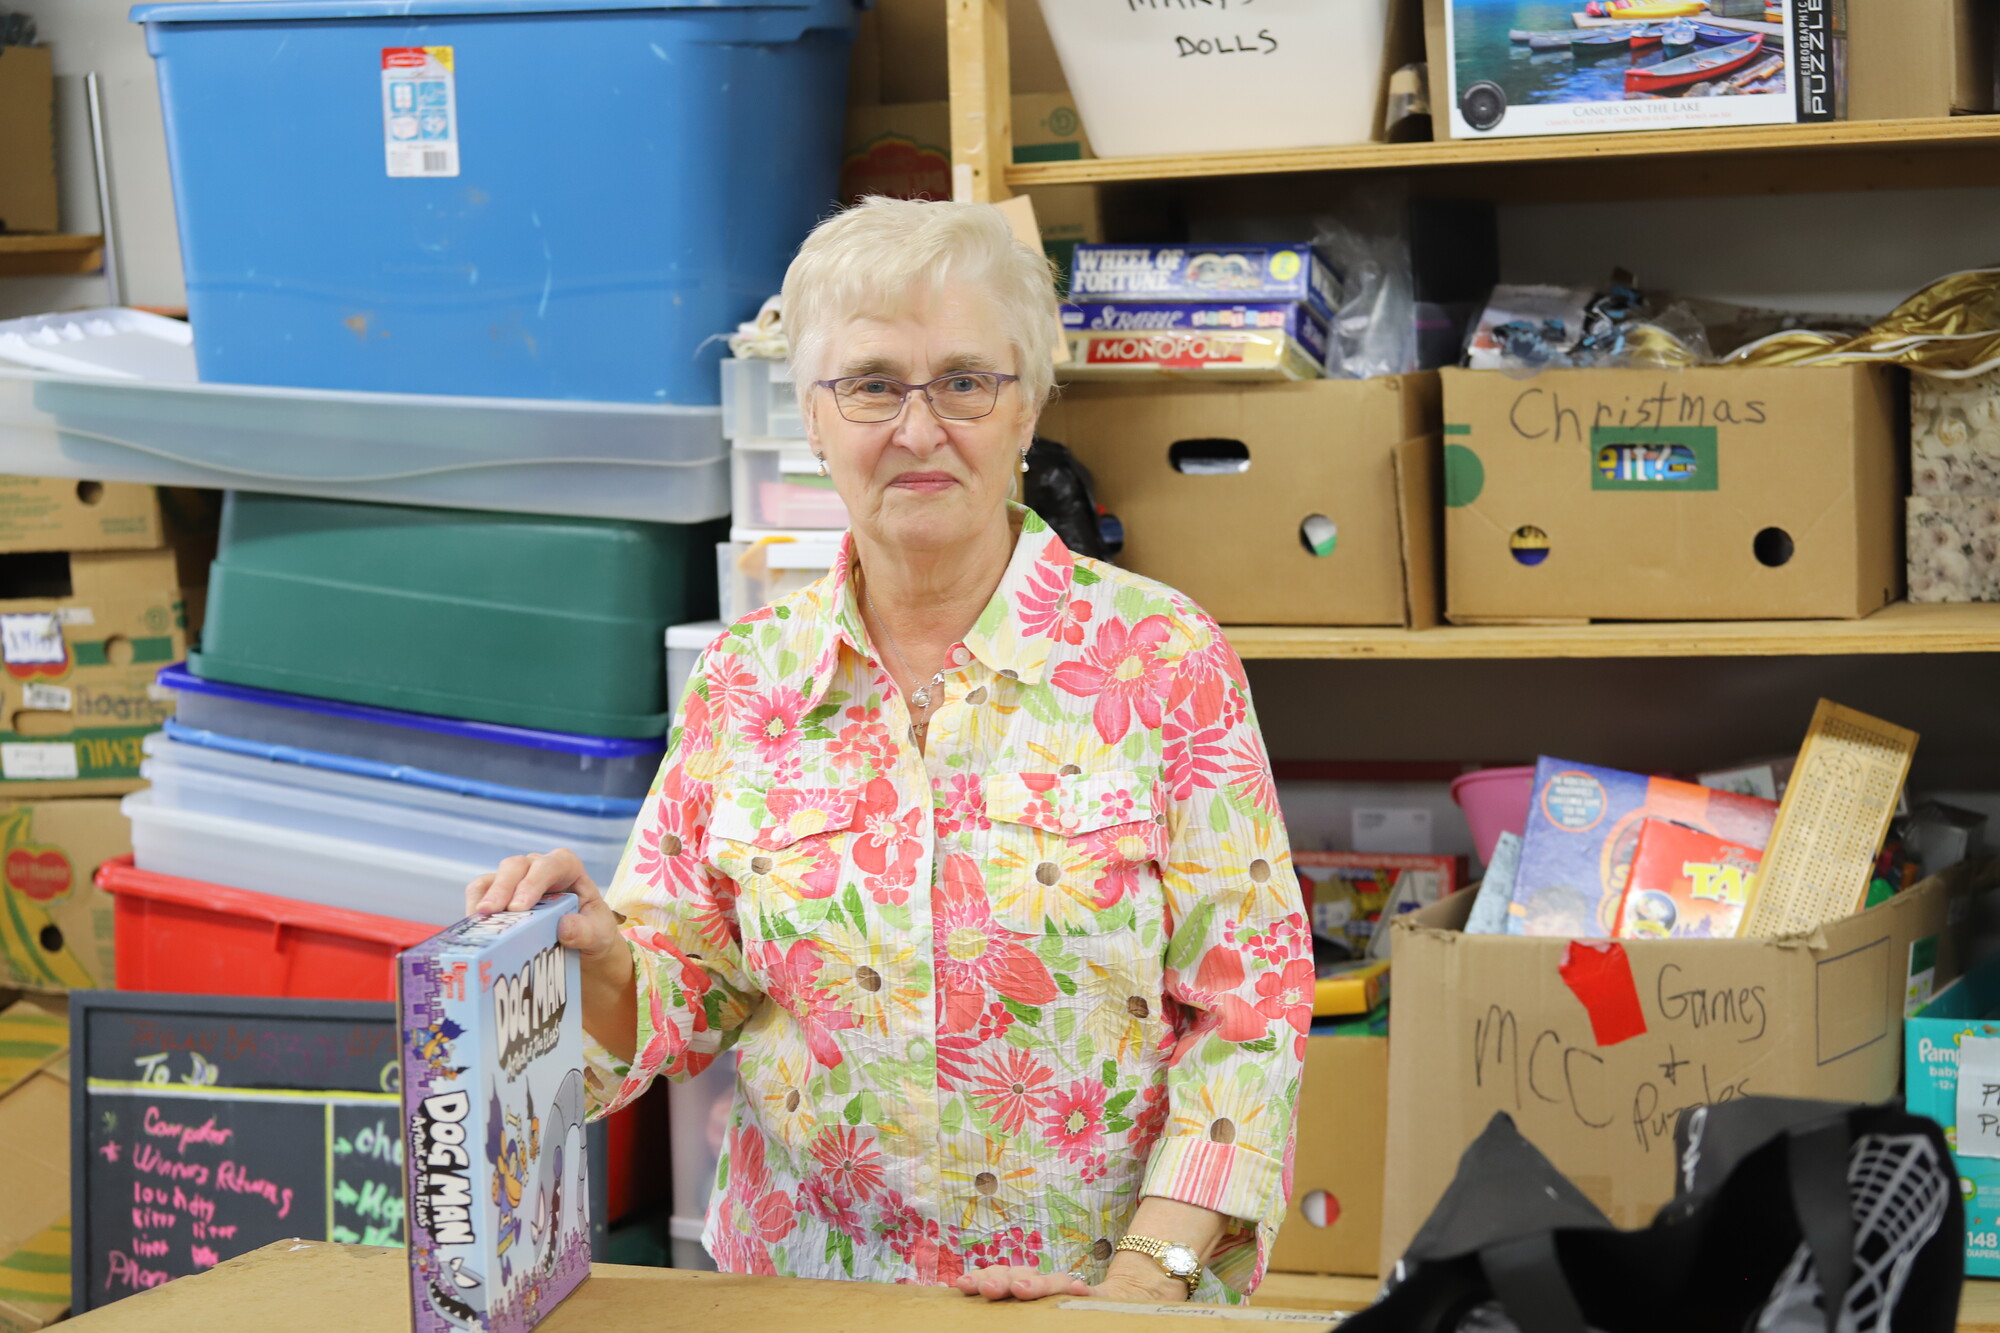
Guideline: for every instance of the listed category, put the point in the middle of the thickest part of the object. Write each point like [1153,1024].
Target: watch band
[1156,1251]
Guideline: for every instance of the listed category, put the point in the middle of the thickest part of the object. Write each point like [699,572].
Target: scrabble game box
[493,1107]
[1583,828]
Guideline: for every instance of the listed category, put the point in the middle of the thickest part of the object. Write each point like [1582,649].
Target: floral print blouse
[988,995]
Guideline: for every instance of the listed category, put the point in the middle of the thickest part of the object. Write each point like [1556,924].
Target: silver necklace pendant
[922,698]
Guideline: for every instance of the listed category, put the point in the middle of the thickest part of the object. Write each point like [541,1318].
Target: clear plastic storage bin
[424,750]
[536,456]
[777,485]
[760,401]
[697,1121]
[757,573]
[308,867]
[390,815]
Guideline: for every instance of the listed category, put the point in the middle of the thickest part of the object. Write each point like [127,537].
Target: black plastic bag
[1776,1201]
[1061,490]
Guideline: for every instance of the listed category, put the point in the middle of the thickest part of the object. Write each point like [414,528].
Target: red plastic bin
[191,938]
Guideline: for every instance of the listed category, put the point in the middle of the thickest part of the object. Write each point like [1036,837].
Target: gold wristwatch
[1176,1261]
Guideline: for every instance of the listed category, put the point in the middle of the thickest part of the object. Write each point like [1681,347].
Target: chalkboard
[205,1126]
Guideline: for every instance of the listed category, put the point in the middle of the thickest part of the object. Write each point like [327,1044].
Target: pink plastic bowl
[1495,801]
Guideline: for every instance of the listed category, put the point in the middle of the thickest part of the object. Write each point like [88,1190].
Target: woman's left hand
[1003,1283]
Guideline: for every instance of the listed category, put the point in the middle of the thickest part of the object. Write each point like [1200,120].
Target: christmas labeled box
[493,1110]
[1717,493]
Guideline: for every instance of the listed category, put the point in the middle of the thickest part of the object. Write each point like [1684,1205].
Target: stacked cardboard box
[34,1161]
[90,608]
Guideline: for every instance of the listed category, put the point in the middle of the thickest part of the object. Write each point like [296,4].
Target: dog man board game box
[493,1110]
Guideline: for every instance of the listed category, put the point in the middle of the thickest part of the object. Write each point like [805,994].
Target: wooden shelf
[33,256]
[1895,630]
[1907,135]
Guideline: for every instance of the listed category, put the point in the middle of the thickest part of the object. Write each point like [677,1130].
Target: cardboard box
[1488,1023]
[1334,1221]
[56,933]
[57,514]
[903,150]
[34,1161]
[1969,1007]
[1272,504]
[1917,58]
[81,639]
[27,139]
[1707,494]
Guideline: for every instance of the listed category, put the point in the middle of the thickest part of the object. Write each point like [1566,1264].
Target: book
[493,1114]
[1583,828]
[1686,884]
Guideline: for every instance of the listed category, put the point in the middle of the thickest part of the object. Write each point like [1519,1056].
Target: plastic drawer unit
[542,198]
[553,624]
[760,401]
[609,775]
[776,484]
[607,460]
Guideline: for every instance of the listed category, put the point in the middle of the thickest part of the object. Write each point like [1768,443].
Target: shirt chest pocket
[785,849]
[1073,852]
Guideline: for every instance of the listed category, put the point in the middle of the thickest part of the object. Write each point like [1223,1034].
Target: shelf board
[1903,628]
[31,256]
[1747,146]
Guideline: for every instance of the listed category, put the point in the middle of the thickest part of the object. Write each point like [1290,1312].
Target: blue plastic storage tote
[514,198]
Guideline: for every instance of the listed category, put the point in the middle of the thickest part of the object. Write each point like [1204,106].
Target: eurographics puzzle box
[493,1107]
[1522,67]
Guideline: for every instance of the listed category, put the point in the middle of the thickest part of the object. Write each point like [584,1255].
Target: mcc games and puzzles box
[493,1108]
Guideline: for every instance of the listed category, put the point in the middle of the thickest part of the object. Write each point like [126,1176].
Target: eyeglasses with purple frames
[963,395]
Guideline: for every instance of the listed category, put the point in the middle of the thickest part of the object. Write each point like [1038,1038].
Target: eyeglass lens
[966,397]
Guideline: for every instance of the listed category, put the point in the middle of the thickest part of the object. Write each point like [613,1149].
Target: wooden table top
[362,1289]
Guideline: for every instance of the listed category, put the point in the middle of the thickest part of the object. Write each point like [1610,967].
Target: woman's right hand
[523,881]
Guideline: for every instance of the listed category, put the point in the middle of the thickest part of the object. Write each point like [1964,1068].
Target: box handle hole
[1320,1208]
[51,939]
[1209,458]
[89,492]
[1318,535]
[1529,544]
[1774,547]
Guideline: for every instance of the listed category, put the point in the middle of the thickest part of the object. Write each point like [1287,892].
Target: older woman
[970,850]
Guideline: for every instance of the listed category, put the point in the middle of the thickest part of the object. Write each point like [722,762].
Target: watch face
[1179,1260]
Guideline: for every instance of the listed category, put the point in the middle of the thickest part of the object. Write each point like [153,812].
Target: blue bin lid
[623,807]
[178,677]
[267,11]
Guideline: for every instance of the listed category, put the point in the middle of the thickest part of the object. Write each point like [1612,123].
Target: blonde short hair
[872,258]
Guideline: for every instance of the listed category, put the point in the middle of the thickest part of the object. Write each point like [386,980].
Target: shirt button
[958,655]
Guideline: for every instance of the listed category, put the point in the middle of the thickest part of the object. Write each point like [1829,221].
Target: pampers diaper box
[493,1108]
[1935,1046]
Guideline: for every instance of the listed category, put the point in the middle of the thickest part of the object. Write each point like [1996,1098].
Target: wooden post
[982,124]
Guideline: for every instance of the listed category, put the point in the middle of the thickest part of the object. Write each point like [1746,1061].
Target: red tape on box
[1599,974]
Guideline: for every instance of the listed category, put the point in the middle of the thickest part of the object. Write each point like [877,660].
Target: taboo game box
[493,1116]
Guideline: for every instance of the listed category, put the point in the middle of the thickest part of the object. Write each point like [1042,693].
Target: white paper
[1979,1097]
[53,698]
[30,638]
[1392,829]
[32,761]
[1496,891]
[76,615]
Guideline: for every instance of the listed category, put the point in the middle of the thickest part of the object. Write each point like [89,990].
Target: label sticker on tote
[38,761]
[419,110]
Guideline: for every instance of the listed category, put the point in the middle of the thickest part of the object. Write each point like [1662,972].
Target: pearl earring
[1024,460]
[822,463]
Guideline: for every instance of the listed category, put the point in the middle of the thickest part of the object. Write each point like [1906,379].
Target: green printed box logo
[1653,458]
